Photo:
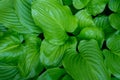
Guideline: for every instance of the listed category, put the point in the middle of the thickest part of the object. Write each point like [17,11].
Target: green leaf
[5,4]
[87,64]
[67,2]
[52,74]
[114,20]
[113,44]
[51,55]
[79,4]
[18,17]
[114,5]
[10,52]
[84,19]
[112,63]
[67,77]
[54,19]
[92,33]
[95,7]
[114,78]
[7,71]
[29,63]
[10,48]
[103,23]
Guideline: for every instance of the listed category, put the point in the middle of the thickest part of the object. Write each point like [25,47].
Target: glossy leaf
[52,74]
[19,19]
[51,55]
[112,63]
[87,64]
[114,5]
[92,33]
[7,71]
[103,23]
[114,20]
[54,19]
[95,7]
[113,44]
[84,19]
[79,4]
[29,63]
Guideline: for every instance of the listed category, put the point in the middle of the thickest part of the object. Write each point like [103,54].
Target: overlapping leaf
[103,23]
[79,4]
[29,63]
[113,43]
[10,51]
[18,16]
[84,19]
[95,7]
[114,20]
[112,63]
[54,19]
[51,55]
[52,74]
[86,65]
[92,33]
[114,5]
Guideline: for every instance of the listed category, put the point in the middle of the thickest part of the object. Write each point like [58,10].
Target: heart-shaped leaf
[87,64]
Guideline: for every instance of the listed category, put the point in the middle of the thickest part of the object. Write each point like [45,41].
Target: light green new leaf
[114,5]
[79,4]
[92,33]
[52,74]
[103,23]
[84,19]
[87,64]
[112,62]
[95,7]
[18,17]
[54,19]
[7,71]
[29,64]
[114,20]
[51,55]
[113,43]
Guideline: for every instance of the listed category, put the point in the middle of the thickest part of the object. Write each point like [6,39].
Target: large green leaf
[95,7]
[103,23]
[84,19]
[51,55]
[113,43]
[114,5]
[29,63]
[79,4]
[112,62]
[114,20]
[54,19]
[18,17]
[87,64]
[92,33]
[52,74]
